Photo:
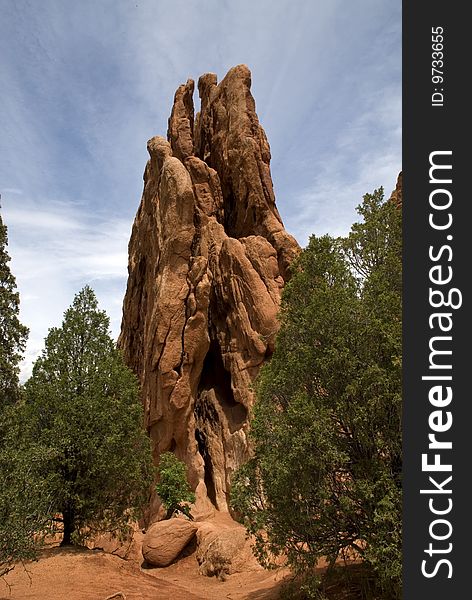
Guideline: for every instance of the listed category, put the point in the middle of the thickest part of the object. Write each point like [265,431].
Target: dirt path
[80,574]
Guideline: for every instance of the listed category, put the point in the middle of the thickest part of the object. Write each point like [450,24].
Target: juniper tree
[25,492]
[82,405]
[325,479]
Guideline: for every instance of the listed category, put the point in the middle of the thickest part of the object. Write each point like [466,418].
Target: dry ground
[82,574]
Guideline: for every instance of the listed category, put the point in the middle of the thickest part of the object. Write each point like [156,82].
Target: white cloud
[33,219]
[365,155]
[85,84]
[15,191]
[312,216]
[54,256]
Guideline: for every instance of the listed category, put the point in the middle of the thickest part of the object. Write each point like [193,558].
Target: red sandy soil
[82,574]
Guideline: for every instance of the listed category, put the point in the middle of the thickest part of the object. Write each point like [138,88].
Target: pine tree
[82,405]
[12,333]
[18,522]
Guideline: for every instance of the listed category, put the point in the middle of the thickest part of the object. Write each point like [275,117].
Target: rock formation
[397,194]
[208,258]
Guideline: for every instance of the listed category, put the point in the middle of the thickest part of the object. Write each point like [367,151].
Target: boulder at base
[224,550]
[165,540]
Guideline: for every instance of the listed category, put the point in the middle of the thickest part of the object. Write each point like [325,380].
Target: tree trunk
[69,526]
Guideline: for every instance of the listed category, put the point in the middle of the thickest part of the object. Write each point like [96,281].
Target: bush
[173,488]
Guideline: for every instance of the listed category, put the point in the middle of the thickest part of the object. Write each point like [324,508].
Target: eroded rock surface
[208,259]
[165,540]
[223,551]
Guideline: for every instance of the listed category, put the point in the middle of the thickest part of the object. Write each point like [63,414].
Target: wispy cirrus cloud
[361,160]
[85,84]
[54,255]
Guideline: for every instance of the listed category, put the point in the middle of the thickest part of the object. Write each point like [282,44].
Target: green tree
[173,487]
[17,521]
[12,333]
[25,494]
[325,479]
[82,406]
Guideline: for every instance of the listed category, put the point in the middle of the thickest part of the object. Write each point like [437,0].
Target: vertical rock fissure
[215,377]
[207,428]
[208,466]
[183,353]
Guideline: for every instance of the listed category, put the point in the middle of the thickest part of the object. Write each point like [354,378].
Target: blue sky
[85,84]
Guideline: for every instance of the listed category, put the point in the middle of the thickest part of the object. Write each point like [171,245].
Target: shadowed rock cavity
[208,258]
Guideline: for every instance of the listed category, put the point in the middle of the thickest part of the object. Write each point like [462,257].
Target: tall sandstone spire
[208,258]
